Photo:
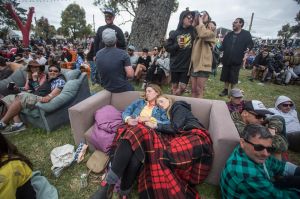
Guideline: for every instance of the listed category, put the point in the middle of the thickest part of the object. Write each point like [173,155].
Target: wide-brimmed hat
[34,63]
[18,59]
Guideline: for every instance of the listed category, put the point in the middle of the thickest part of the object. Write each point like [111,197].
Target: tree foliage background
[6,21]
[149,18]
[43,29]
[73,24]
[287,31]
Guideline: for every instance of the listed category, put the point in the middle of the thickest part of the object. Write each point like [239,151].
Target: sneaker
[224,93]
[15,128]
[2,126]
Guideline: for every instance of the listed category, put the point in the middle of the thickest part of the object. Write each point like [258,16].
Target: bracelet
[51,96]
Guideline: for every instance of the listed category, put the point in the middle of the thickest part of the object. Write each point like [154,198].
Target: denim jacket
[135,108]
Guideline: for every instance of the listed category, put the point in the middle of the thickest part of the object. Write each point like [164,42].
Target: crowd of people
[161,144]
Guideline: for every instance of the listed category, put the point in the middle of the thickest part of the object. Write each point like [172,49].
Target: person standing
[235,44]
[179,45]
[109,20]
[113,65]
[202,57]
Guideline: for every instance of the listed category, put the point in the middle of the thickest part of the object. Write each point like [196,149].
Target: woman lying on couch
[166,164]
[129,153]
[37,88]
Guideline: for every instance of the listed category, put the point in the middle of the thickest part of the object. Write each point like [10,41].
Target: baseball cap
[131,47]
[235,92]
[257,107]
[109,37]
[109,11]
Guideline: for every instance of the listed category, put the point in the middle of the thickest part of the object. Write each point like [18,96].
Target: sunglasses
[258,117]
[286,105]
[108,16]
[259,147]
[189,17]
[54,71]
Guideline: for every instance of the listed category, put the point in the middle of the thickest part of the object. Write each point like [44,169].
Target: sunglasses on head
[258,117]
[286,105]
[259,147]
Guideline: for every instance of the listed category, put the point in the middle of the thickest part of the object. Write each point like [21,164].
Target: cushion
[72,74]
[67,94]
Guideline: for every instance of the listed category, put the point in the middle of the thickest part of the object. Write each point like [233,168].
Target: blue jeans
[93,71]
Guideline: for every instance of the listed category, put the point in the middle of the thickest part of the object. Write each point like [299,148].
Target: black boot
[105,191]
[224,93]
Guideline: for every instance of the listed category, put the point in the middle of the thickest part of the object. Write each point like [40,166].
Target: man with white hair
[113,65]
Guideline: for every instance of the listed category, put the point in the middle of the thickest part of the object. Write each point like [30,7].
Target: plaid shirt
[58,83]
[243,178]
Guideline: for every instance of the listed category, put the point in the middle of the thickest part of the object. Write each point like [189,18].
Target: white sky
[269,15]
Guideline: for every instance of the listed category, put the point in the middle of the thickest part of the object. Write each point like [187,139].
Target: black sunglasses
[258,117]
[55,71]
[286,105]
[259,147]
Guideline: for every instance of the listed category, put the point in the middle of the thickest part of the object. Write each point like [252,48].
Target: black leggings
[125,164]
[26,191]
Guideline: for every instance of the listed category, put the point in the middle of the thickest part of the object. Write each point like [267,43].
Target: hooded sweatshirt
[180,57]
[291,118]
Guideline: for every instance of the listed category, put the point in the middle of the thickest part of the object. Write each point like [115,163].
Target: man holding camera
[235,44]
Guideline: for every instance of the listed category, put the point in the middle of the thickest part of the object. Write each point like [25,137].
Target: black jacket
[180,58]
[181,118]
[234,50]
[98,43]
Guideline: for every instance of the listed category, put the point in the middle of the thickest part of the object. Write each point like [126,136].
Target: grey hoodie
[291,118]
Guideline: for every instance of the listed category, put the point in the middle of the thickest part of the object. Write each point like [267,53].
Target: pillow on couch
[72,74]
[67,94]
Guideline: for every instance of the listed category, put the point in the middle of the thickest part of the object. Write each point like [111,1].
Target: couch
[52,115]
[213,114]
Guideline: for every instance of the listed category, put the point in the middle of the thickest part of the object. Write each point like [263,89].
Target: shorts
[28,100]
[230,73]
[200,74]
[181,77]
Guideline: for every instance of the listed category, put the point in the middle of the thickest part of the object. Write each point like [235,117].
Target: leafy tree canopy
[73,22]
[43,29]
[5,18]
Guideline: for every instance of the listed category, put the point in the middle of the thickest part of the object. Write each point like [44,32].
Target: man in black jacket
[234,45]
[179,45]
[109,19]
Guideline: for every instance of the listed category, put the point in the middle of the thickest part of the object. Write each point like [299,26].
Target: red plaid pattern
[171,162]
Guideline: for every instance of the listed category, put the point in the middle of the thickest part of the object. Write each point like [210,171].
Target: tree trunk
[25,29]
[150,23]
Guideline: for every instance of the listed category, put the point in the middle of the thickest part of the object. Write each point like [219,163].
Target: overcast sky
[269,15]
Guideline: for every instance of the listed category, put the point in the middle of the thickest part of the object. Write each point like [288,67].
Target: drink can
[182,39]
[83,180]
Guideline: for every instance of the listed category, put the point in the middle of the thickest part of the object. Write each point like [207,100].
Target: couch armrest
[224,136]
[82,114]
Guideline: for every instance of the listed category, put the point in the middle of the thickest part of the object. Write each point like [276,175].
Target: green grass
[37,144]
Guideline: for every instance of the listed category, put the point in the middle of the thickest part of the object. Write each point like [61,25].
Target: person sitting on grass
[17,179]
[128,149]
[285,107]
[251,170]
[40,91]
[236,102]
[255,112]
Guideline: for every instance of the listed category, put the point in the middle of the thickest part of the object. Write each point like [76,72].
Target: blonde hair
[155,87]
[171,101]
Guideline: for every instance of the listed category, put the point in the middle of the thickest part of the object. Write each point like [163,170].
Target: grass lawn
[37,144]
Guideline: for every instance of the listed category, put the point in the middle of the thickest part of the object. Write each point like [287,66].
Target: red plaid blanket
[172,163]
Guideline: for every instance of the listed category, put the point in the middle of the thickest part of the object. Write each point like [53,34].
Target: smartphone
[11,85]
